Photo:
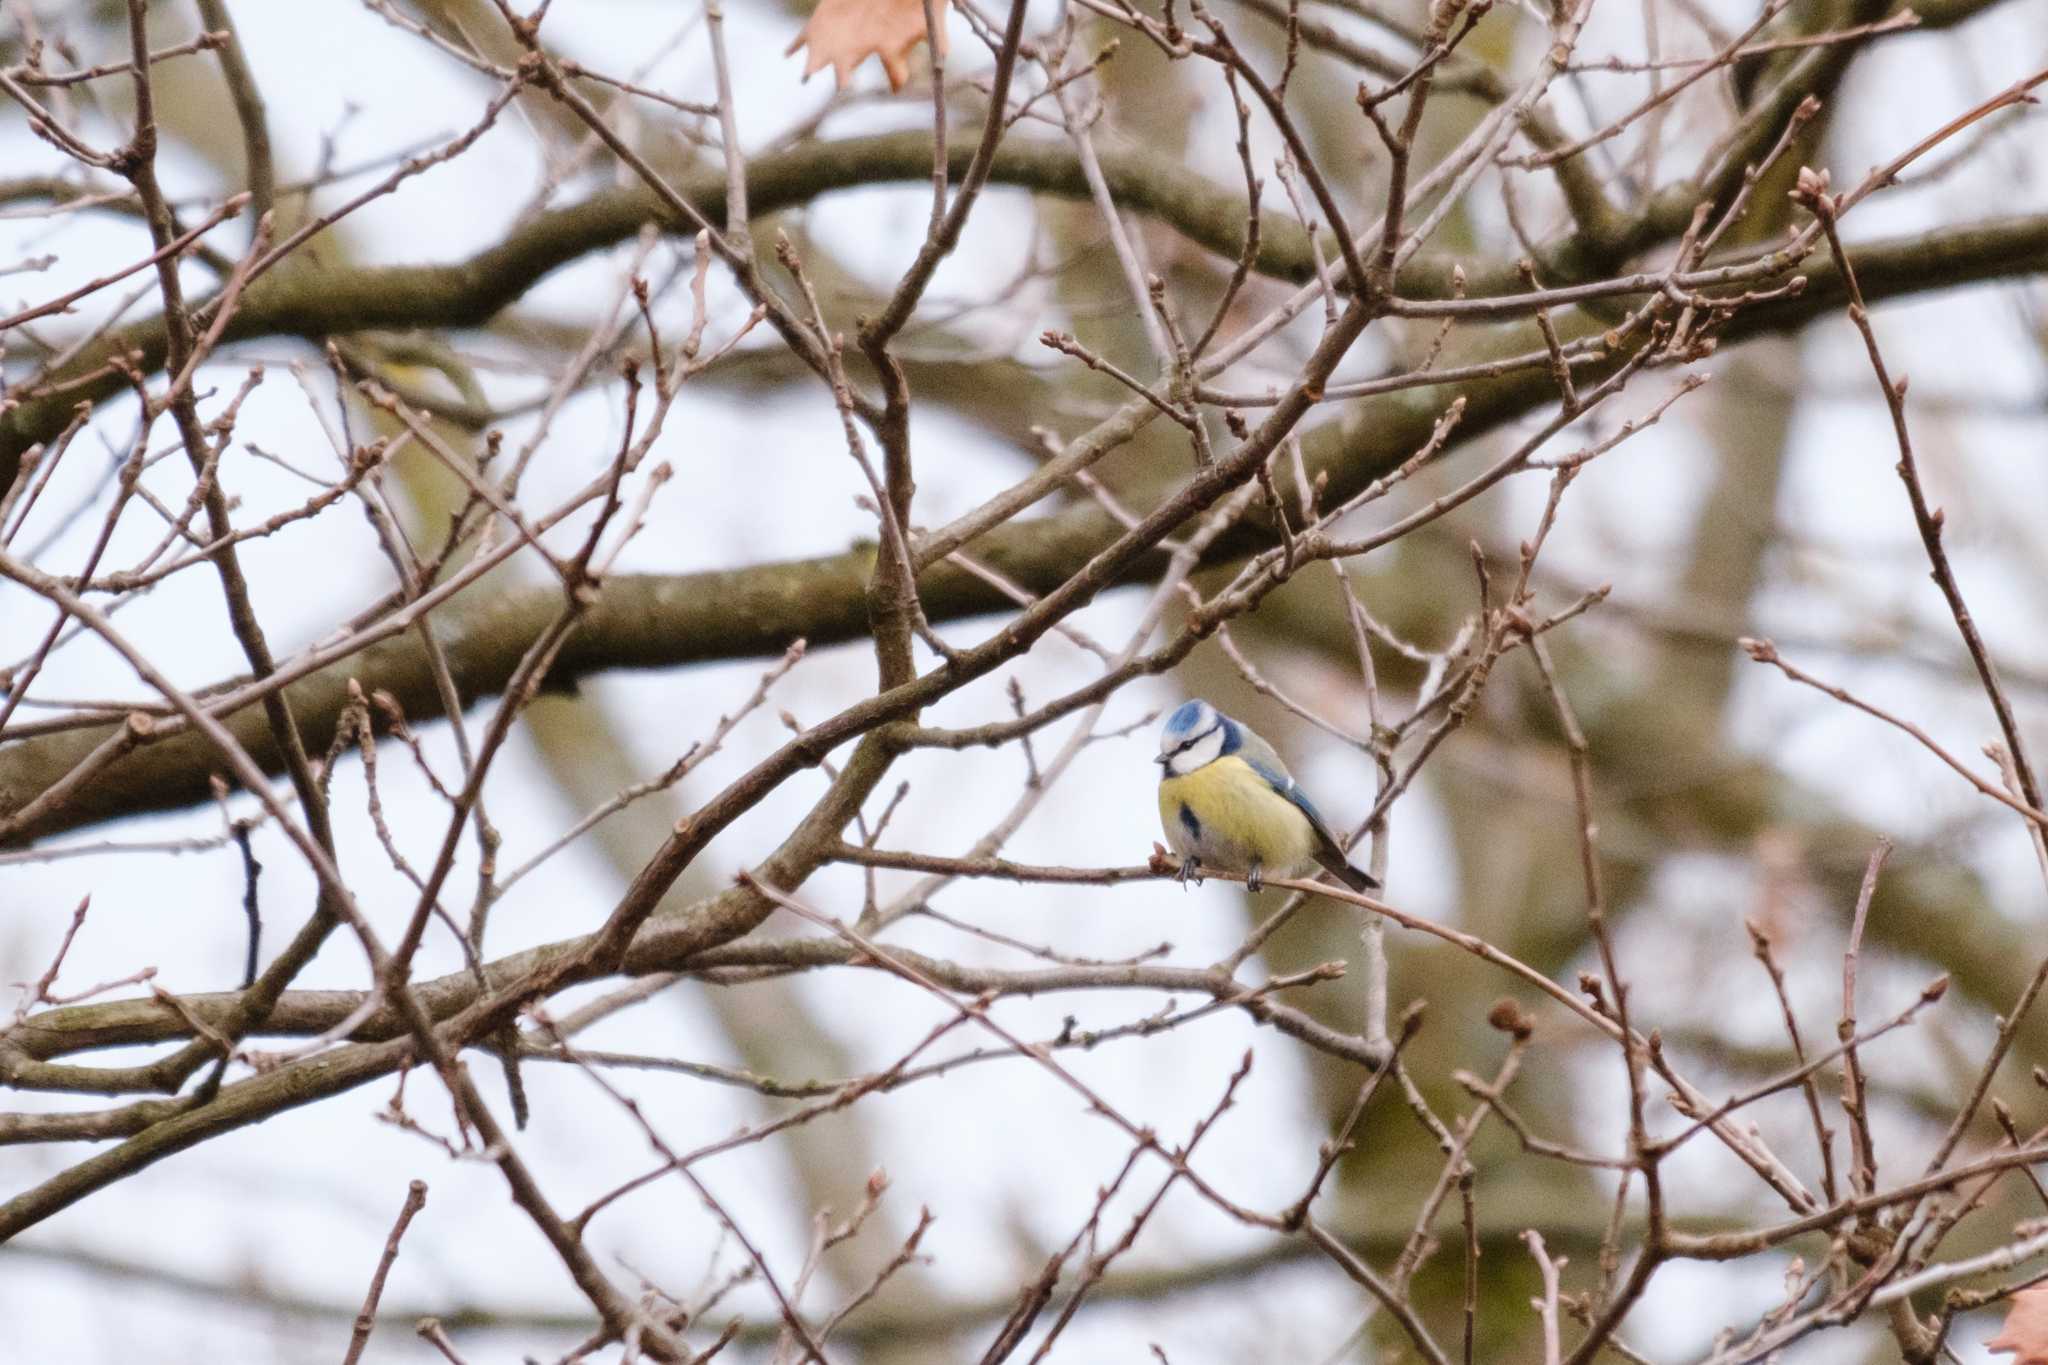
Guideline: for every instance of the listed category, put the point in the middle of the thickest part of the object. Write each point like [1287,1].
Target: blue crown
[1190,718]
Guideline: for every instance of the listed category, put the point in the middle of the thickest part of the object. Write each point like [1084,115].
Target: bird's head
[1195,735]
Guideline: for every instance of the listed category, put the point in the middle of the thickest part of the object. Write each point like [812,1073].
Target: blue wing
[1281,781]
[1330,853]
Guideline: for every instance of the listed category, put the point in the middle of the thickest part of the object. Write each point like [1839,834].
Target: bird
[1227,801]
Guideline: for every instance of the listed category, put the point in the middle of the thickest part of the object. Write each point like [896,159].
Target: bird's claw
[1190,870]
[1254,880]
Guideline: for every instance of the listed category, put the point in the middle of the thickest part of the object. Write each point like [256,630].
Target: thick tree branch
[665,621]
[315,302]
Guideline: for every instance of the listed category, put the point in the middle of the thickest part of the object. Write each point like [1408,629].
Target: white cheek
[1207,750]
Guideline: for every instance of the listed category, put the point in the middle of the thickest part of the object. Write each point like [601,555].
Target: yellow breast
[1229,817]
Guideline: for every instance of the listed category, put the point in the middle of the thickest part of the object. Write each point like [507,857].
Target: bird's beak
[1163,759]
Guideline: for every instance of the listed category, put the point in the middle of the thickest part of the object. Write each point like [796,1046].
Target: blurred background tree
[473,246]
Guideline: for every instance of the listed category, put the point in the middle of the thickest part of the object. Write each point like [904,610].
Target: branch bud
[1812,189]
[1507,1017]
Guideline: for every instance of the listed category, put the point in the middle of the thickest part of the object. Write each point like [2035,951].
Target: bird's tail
[1335,864]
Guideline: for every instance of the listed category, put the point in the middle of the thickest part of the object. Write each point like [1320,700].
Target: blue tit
[1226,801]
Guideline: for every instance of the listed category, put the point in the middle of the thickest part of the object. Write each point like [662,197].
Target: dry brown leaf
[2025,1333]
[844,33]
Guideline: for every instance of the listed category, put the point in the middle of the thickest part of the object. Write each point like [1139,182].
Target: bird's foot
[1255,879]
[1190,871]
